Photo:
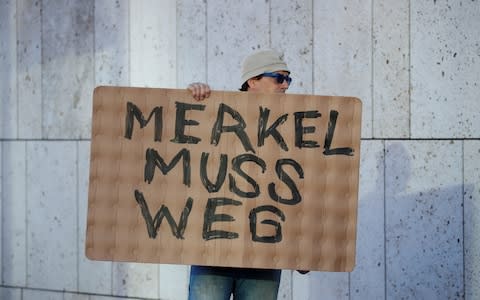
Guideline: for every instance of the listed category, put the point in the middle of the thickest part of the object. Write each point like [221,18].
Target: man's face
[268,84]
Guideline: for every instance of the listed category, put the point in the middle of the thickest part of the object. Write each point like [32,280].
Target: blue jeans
[221,286]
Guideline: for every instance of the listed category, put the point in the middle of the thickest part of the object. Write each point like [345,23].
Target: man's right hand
[199,90]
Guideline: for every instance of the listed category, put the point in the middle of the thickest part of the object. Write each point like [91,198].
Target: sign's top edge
[100,87]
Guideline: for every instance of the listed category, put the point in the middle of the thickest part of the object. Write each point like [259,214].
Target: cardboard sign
[239,179]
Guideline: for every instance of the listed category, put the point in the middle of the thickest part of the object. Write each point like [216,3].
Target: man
[265,72]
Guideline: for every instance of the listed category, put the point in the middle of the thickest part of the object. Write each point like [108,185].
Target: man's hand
[199,90]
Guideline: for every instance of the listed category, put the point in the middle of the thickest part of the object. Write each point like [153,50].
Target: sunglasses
[279,77]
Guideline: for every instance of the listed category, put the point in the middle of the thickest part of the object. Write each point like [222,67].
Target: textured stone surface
[235,29]
[71,296]
[173,281]
[370,258]
[424,218]
[96,297]
[67,70]
[153,43]
[191,42]
[331,286]
[285,288]
[342,53]
[10,293]
[93,276]
[29,69]
[111,43]
[39,294]
[8,67]
[391,75]
[471,162]
[445,52]
[3,232]
[291,33]
[51,182]
[135,280]
[14,258]
[300,285]
[53,53]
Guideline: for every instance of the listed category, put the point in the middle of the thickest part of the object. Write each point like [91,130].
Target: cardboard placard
[239,179]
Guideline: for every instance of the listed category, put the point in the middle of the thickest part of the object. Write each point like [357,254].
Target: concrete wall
[415,65]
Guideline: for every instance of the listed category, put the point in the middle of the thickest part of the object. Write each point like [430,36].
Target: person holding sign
[264,71]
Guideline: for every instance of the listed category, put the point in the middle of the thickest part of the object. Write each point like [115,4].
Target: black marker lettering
[329,137]
[222,173]
[180,123]
[239,129]
[296,197]
[272,130]
[300,130]
[134,111]
[154,224]
[236,163]
[153,159]
[210,217]
[278,228]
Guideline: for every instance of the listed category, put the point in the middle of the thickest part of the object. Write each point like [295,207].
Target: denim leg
[210,287]
[247,289]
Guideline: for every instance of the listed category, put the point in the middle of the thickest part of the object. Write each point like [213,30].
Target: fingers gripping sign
[199,90]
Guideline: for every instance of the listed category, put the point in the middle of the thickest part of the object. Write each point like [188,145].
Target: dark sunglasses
[279,77]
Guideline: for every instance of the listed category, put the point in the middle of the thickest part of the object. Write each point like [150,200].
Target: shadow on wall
[423,226]
[409,231]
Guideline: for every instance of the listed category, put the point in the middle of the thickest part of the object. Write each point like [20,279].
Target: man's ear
[252,83]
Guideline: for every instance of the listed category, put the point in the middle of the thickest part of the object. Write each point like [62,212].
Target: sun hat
[260,62]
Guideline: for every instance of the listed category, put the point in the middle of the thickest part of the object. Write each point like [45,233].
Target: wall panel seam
[2,210]
[206,41]
[463,219]
[409,93]
[26,212]
[313,47]
[42,125]
[16,73]
[372,68]
[384,220]
[77,214]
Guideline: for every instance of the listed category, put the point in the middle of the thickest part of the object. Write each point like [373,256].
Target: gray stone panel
[285,288]
[191,42]
[93,276]
[343,53]
[291,33]
[8,67]
[111,43]
[445,59]
[2,233]
[14,255]
[10,293]
[329,285]
[235,30]
[72,296]
[29,69]
[135,280]
[391,77]
[43,295]
[67,70]
[424,220]
[370,256]
[153,43]
[300,285]
[471,179]
[52,229]
[173,281]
